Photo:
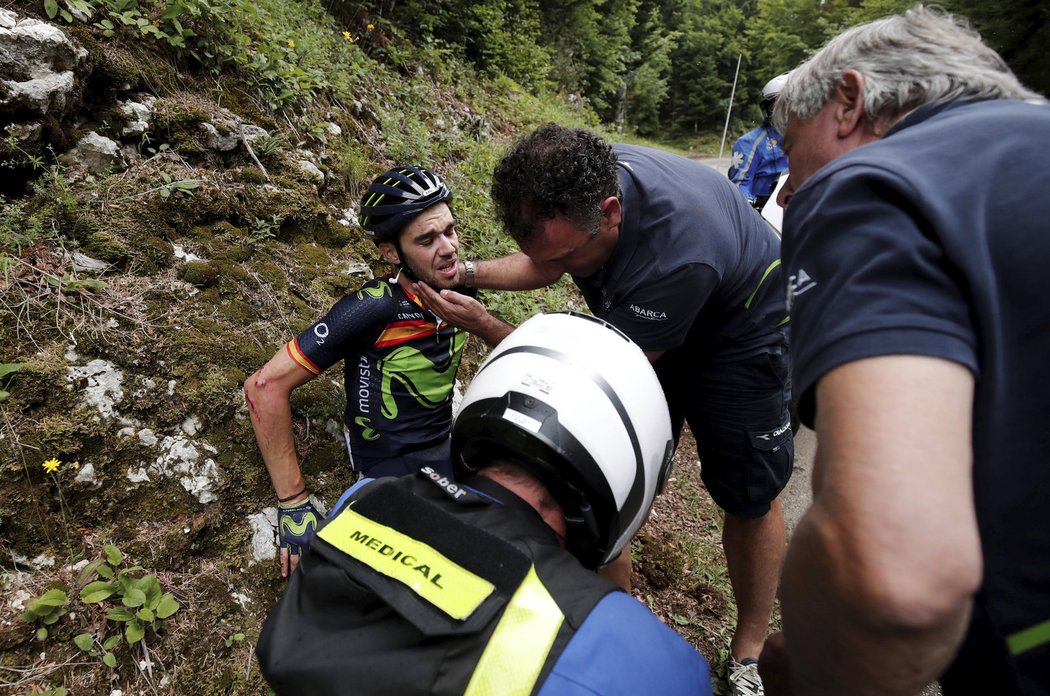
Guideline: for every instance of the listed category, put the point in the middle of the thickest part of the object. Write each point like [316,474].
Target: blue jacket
[758,161]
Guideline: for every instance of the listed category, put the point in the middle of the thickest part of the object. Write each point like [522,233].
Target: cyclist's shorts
[438,457]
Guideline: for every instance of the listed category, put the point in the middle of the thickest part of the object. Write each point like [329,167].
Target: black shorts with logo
[739,414]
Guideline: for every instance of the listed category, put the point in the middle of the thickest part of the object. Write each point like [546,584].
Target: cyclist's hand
[296,524]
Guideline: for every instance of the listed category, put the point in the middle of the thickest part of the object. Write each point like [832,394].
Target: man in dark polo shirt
[916,245]
[668,251]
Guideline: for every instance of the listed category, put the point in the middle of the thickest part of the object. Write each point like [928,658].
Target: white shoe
[743,680]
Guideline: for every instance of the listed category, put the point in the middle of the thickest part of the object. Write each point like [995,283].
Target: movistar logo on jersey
[375,291]
[650,314]
[367,433]
[427,382]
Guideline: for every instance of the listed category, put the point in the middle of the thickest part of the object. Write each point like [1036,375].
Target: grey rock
[220,141]
[311,170]
[96,154]
[37,65]
[252,132]
[138,117]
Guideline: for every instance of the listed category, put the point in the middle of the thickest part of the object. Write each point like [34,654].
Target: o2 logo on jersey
[321,333]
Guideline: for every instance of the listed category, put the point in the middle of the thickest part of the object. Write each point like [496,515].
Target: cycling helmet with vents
[397,196]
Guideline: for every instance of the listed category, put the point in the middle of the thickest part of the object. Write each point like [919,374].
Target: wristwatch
[468,267]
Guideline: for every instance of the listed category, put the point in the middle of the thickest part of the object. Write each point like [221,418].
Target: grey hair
[923,56]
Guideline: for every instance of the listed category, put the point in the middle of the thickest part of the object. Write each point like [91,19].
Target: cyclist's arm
[267,392]
[513,272]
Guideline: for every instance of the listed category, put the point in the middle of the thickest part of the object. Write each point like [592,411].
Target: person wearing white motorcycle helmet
[758,155]
[485,584]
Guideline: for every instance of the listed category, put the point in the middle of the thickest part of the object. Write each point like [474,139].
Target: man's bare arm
[267,392]
[513,272]
[879,577]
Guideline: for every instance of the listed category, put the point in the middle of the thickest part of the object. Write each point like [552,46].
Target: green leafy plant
[263,228]
[268,145]
[47,609]
[143,605]
[23,156]
[235,638]
[172,185]
[6,369]
[92,646]
[69,9]
[147,147]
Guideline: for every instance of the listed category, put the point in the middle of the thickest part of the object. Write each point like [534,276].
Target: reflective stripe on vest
[426,571]
[514,656]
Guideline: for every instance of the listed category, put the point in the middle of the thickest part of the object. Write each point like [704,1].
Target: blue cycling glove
[296,525]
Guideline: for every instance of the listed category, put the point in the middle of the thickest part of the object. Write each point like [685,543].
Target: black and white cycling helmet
[770,92]
[396,197]
[572,399]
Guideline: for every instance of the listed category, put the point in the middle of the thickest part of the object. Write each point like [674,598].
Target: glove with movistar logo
[296,524]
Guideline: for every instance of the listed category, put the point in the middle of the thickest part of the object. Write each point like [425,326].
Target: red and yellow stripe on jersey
[402,331]
[297,355]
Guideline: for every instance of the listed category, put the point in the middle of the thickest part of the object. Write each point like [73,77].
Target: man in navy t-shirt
[916,244]
[668,251]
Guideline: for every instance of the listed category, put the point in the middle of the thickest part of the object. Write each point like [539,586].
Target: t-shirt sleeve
[657,316]
[351,326]
[622,648]
[867,277]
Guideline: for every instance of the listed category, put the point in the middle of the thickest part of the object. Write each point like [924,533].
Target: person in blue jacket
[916,244]
[486,584]
[758,155]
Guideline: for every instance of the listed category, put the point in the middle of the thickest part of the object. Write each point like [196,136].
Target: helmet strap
[403,267]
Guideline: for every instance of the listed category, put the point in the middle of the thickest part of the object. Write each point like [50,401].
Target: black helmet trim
[396,197]
[555,457]
[636,495]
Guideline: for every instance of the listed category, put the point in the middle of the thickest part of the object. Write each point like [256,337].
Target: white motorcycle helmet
[770,93]
[576,402]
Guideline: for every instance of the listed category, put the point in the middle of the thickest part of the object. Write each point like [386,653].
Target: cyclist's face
[431,246]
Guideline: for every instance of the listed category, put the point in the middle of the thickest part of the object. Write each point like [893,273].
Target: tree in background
[667,66]
[1019,30]
[647,82]
[711,36]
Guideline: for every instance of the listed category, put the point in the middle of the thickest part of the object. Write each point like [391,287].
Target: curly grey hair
[923,56]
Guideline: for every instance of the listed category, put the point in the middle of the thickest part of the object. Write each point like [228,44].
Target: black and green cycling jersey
[399,367]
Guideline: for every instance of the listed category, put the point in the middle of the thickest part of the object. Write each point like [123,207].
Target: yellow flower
[346,35]
[51,465]
[371,27]
[291,44]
